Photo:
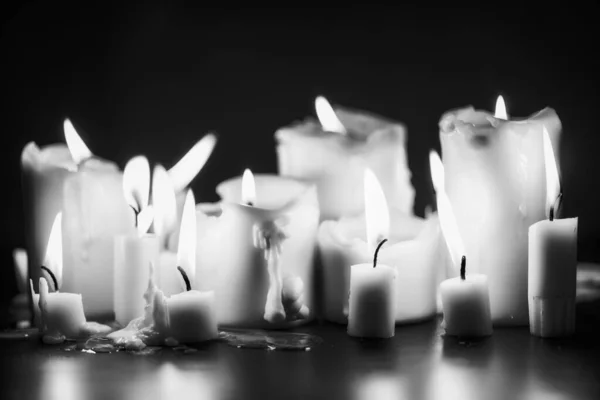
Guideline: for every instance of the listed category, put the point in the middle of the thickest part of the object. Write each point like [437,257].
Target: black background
[152,79]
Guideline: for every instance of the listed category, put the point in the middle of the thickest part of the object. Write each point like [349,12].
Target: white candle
[552,263]
[495,182]
[233,258]
[44,172]
[413,249]
[334,153]
[94,212]
[134,252]
[465,300]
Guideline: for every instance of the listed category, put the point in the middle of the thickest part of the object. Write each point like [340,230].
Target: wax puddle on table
[273,340]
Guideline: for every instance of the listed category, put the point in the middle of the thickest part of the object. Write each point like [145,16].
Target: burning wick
[136,214]
[188,286]
[463,267]
[44,268]
[556,206]
[377,252]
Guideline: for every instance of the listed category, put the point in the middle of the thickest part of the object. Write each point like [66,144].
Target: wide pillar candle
[552,277]
[336,162]
[228,261]
[94,212]
[372,312]
[496,184]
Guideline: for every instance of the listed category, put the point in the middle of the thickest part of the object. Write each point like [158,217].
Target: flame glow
[190,165]
[79,151]
[186,252]
[552,180]
[377,214]
[54,252]
[327,117]
[164,202]
[136,182]
[500,112]
[145,219]
[445,212]
[248,188]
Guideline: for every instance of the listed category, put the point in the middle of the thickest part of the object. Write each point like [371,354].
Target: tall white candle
[334,152]
[465,299]
[233,256]
[134,252]
[495,182]
[552,263]
[94,212]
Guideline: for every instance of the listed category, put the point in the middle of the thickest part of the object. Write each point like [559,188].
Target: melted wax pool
[269,340]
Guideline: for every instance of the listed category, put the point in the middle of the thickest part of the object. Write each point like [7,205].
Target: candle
[43,174]
[372,297]
[94,212]
[495,182]
[413,249]
[249,248]
[165,225]
[466,299]
[335,152]
[134,252]
[552,262]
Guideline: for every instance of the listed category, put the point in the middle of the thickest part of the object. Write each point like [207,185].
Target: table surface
[418,363]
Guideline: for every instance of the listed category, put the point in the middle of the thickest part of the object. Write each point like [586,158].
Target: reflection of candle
[233,255]
[335,152]
[94,211]
[134,252]
[413,249]
[552,263]
[466,299]
[372,297]
[495,182]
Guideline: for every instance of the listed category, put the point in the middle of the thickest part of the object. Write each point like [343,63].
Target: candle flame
[164,202]
[79,151]
[552,180]
[500,112]
[54,252]
[145,219]
[136,182]
[186,252]
[327,117]
[191,164]
[376,211]
[445,213]
[248,188]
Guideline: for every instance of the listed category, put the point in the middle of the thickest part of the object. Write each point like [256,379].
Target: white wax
[336,162]
[228,262]
[133,255]
[414,249]
[192,316]
[62,313]
[552,277]
[44,171]
[495,180]
[372,299]
[168,277]
[466,306]
[94,212]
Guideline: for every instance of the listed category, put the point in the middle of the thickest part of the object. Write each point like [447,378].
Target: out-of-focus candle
[495,182]
[465,299]
[134,252]
[94,212]
[413,250]
[334,152]
[552,263]
[241,246]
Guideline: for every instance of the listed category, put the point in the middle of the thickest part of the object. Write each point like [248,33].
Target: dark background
[152,79]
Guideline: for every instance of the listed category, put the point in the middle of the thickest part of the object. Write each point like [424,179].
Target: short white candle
[192,316]
[466,299]
[334,152]
[372,302]
[552,263]
[495,182]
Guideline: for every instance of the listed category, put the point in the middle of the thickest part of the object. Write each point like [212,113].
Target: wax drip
[188,286]
[463,267]
[44,268]
[136,214]
[377,252]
